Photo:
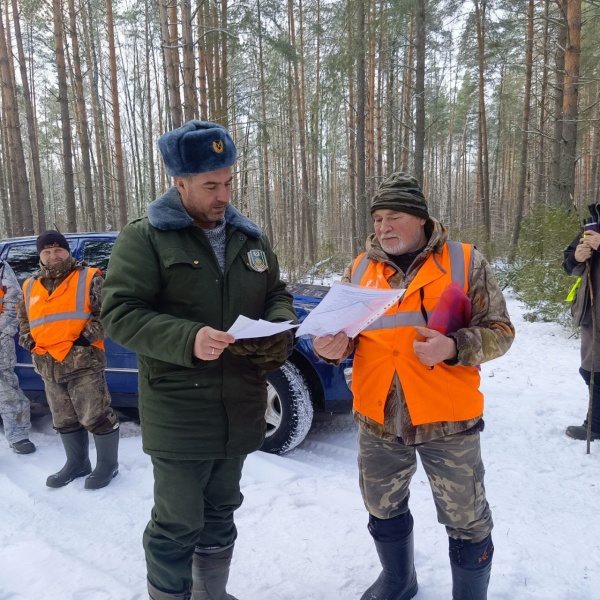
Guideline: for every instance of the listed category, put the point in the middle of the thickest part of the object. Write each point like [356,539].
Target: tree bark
[31,123]
[420,92]
[525,133]
[82,123]
[65,118]
[120,171]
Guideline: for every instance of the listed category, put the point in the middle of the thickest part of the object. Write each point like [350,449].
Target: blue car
[301,386]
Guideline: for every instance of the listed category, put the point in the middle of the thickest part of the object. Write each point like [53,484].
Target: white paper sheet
[245,328]
[348,307]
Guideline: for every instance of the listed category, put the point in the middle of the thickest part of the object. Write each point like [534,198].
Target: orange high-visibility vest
[1,300]
[56,320]
[441,393]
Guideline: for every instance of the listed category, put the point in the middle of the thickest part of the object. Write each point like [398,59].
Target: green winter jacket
[163,284]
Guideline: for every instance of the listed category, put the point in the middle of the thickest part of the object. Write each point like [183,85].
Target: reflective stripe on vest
[457,273]
[80,297]
[56,320]
[441,393]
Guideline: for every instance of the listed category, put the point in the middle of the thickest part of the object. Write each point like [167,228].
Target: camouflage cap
[400,192]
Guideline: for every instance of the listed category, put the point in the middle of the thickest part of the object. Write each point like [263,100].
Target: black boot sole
[56,483]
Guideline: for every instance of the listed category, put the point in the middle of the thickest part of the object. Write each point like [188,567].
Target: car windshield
[24,260]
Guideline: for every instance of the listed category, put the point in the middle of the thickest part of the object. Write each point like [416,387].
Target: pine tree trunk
[150,118]
[525,133]
[65,118]
[420,92]
[31,123]
[189,69]
[82,123]
[120,171]
[484,173]
[570,111]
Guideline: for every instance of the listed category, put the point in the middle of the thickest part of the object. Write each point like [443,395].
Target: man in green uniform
[177,280]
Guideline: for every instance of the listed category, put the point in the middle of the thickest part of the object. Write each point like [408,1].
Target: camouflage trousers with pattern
[455,471]
[83,401]
[14,405]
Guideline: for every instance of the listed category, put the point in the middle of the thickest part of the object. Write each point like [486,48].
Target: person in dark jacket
[60,326]
[178,279]
[581,253]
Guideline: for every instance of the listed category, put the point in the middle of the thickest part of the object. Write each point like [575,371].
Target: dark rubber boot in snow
[579,432]
[471,564]
[23,447]
[210,572]
[78,464]
[156,594]
[107,465]
[395,546]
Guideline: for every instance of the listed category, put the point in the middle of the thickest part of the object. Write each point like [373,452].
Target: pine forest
[493,105]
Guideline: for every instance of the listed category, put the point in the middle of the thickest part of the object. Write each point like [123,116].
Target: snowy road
[302,526]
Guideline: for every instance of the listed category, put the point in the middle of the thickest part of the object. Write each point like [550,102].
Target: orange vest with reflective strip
[439,393]
[56,320]
[1,300]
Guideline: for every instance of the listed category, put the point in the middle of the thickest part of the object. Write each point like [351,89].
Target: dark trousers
[194,502]
[595,399]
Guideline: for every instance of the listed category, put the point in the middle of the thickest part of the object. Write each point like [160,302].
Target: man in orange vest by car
[14,405]
[60,326]
[416,389]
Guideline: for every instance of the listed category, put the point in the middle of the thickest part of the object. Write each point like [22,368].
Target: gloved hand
[81,341]
[265,350]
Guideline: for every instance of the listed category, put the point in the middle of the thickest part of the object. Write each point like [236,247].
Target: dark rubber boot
[579,432]
[78,464]
[23,447]
[395,546]
[210,572]
[471,564]
[107,465]
[156,594]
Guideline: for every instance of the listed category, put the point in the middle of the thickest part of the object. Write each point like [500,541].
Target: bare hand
[210,343]
[331,347]
[435,348]
[588,243]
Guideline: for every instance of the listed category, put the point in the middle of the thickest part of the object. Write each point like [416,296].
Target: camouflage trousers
[81,402]
[14,405]
[455,471]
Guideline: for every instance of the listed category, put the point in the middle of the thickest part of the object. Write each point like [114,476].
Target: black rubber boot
[156,594]
[78,464]
[210,572]
[23,447]
[471,564]
[579,432]
[107,465]
[395,546]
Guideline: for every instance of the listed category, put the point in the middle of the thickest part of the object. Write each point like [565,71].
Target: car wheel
[289,410]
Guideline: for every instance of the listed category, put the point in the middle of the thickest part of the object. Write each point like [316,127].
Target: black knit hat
[400,192]
[51,239]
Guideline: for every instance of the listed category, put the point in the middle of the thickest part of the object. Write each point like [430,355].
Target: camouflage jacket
[12,297]
[489,335]
[81,360]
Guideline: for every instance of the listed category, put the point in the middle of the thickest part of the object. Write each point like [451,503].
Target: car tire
[289,410]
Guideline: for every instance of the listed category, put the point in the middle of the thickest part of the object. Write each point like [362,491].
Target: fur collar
[168,213]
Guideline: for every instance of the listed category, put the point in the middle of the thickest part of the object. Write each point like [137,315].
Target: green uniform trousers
[194,502]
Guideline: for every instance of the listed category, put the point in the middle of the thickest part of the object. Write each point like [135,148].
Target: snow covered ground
[302,527]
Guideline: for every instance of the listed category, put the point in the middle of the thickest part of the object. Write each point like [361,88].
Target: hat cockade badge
[218,146]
